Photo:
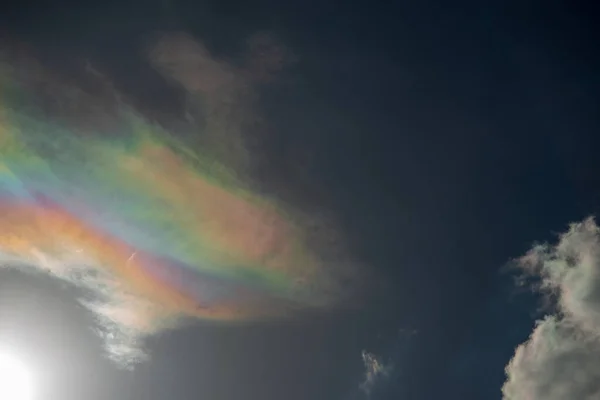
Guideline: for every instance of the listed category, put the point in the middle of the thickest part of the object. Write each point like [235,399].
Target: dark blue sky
[448,138]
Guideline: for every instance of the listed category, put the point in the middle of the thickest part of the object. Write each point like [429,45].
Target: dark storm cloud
[561,358]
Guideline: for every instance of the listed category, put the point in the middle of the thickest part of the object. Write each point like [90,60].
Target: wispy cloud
[375,370]
[561,358]
[221,95]
[159,226]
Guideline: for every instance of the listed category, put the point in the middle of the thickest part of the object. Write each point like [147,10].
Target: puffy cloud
[560,359]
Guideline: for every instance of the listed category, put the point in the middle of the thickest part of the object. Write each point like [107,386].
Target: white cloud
[124,319]
[561,359]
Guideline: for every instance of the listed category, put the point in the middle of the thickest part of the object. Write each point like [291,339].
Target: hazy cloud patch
[375,370]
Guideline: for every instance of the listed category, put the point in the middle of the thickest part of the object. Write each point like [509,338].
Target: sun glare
[15,379]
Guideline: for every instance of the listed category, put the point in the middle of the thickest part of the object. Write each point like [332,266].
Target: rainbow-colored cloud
[156,230]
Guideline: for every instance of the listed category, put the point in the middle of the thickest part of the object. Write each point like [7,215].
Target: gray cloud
[222,96]
[560,359]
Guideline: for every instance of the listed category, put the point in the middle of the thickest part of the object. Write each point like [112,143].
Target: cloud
[125,316]
[159,226]
[134,297]
[561,358]
[222,95]
[375,370]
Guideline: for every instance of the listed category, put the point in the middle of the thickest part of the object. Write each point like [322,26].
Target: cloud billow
[560,359]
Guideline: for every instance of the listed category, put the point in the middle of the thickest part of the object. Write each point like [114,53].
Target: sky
[301,200]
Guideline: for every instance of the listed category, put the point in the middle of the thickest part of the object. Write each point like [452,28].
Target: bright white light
[16,382]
